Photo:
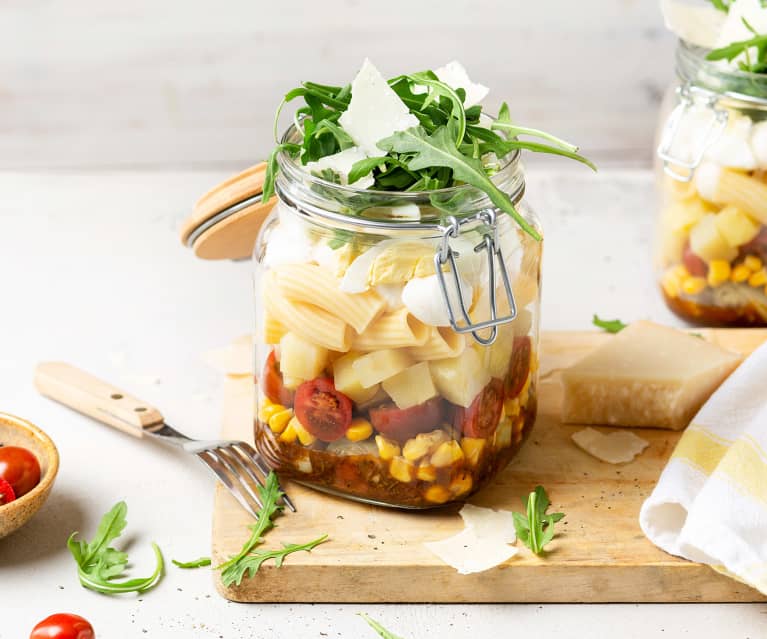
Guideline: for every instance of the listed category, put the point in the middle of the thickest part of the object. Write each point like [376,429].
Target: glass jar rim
[510,174]
[693,68]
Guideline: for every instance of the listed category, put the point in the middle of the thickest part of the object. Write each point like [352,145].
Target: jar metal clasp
[690,98]
[492,248]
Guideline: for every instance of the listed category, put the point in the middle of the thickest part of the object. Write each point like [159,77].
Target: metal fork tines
[235,463]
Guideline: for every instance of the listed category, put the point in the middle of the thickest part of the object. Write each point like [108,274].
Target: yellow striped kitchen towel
[710,503]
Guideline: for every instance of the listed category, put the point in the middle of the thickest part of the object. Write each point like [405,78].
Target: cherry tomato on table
[63,625]
[272,385]
[322,410]
[402,424]
[519,367]
[20,468]
[481,418]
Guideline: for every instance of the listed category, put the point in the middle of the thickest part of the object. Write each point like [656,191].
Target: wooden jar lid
[226,220]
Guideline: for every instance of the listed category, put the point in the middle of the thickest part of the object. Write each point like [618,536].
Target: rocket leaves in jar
[754,62]
[451,145]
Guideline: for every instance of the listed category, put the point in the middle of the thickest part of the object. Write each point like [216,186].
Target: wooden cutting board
[377,554]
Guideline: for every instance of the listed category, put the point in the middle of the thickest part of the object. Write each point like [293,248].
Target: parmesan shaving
[482,544]
[235,359]
[618,447]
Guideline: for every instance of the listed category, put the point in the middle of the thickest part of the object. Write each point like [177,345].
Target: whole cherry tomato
[322,410]
[519,367]
[481,418]
[63,625]
[272,385]
[20,468]
[403,423]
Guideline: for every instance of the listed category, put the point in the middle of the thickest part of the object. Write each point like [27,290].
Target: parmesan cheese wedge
[646,375]
[618,447]
[341,163]
[482,544]
[375,111]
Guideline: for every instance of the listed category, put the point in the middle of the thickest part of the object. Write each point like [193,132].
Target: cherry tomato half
[402,424]
[271,383]
[519,367]
[20,468]
[694,264]
[322,410]
[63,625]
[6,492]
[481,418]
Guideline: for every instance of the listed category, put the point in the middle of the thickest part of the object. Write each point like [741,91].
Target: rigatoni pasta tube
[310,322]
[747,193]
[398,329]
[442,343]
[312,284]
[273,329]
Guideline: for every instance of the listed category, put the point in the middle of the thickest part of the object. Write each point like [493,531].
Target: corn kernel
[680,271]
[670,283]
[524,394]
[426,472]
[534,363]
[278,421]
[436,494]
[718,272]
[693,285]
[512,407]
[304,436]
[503,434]
[460,485]
[740,273]
[359,430]
[472,449]
[447,454]
[387,449]
[758,279]
[267,409]
[753,263]
[402,469]
[289,435]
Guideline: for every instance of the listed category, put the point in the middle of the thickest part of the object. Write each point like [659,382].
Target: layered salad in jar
[371,383]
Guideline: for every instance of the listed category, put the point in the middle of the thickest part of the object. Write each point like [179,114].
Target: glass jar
[396,337]
[712,173]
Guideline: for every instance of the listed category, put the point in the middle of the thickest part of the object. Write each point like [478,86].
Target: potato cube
[460,379]
[460,485]
[708,243]
[437,494]
[735,226]
[426,472]
[346,380]
[300,359]
[372,368]
[411,386]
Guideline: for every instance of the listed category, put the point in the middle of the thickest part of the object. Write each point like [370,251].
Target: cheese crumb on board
[375,111]
[235,359]
[618,447]
[646,375]
[482,544]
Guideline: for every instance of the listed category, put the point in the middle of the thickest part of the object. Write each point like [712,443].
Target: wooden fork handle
[93,397]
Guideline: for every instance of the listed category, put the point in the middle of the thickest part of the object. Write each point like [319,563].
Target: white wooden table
[91,272]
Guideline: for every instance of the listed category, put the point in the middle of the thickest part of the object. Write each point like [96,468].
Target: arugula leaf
[536,528]
[249,560]
[504,123]
[361,168]
[196,563]
[272,168]
[439,149]
[611,326]
[383,632]
[98,564]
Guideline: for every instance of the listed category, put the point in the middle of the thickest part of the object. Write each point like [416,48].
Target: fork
[235,463]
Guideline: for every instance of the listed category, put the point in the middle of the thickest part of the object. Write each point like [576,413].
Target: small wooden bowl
[15,431]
